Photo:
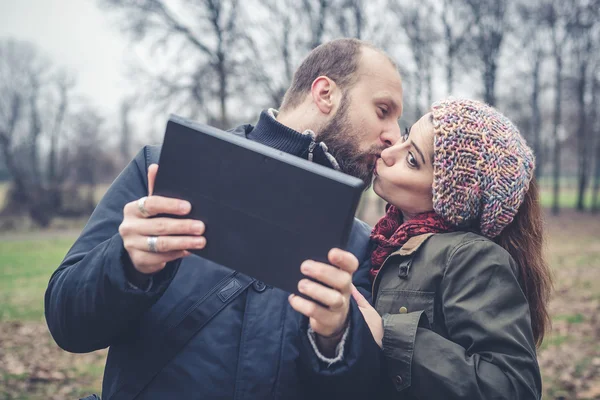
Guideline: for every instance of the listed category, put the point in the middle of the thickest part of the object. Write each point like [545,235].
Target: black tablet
[265,211]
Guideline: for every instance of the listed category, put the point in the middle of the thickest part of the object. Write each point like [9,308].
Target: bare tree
[284,31]
[22,73]
[415,19]
[281,39]
[351,18]
[35,110]
[317,12]
[555,15]
[64,84]
[456,21]
[202,45]
[127,106]
[532,39]
[489,27]
[595,126]
[584,51]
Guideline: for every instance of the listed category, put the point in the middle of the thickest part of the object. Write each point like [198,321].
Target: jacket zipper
[311,148]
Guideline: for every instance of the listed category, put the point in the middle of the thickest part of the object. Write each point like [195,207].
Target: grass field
[33,367]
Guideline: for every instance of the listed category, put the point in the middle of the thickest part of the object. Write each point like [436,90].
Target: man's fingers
[328,275]
[330,297]
[152,171]
[344,260]
[159,205]
[162,227]
[309,308]
[165,244]
[150,263]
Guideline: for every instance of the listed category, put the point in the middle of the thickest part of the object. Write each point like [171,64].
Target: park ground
[32,366]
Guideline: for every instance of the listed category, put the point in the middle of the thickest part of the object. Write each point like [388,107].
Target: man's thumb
[152,170]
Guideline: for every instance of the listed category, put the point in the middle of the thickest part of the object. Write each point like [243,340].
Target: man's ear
[324,93]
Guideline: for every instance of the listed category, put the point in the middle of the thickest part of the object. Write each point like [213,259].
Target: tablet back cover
[265,211]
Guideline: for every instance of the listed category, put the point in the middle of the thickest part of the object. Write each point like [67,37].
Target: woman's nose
[393,153]
[387,155]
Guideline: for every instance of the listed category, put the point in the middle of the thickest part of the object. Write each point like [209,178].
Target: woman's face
[404,173]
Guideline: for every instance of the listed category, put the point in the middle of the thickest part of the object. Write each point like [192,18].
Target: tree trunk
[222,91]
[429,83]
[535,116]
[19,180]
[125,145]
[418,92]
[53,156]
[449,48]
[34,132]
[557,121]
[596,189]
[358,18]
[490,81]
[595,124]
[582,173]
[450,71]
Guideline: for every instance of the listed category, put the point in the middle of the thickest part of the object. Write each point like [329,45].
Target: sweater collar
[274,134]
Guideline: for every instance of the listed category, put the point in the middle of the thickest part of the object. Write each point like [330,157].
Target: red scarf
[391,233]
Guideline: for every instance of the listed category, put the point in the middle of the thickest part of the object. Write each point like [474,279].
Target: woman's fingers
[360,299]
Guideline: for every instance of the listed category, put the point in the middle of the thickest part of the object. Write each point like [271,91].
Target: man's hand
[152,242]
[371,316]
[328,323]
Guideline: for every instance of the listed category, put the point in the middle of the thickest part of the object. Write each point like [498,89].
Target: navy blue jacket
[255,348]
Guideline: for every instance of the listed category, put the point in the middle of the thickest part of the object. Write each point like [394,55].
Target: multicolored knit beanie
[482,166]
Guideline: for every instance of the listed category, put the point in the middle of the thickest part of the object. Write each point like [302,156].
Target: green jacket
[456,322]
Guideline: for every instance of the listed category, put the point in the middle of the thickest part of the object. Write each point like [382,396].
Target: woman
[457,267]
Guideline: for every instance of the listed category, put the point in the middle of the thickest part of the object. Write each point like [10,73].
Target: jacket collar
[412,245]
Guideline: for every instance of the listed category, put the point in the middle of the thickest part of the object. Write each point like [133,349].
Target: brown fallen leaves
[32,366]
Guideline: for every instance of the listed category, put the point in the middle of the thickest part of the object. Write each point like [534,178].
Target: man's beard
[343,143]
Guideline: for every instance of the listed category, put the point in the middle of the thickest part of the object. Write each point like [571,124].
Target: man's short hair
[337,59]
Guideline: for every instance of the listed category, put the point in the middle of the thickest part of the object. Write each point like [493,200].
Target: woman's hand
[328,323]
[371,316]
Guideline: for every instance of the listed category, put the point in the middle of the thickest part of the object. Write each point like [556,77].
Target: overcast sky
[74,34]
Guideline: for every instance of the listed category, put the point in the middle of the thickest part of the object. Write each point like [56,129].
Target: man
[128,282]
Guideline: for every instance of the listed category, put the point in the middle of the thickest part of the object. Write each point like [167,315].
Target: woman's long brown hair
[523,238]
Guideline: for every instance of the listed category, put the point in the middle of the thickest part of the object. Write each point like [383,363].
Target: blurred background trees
[222,61]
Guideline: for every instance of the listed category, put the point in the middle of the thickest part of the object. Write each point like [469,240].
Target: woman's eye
[410,159]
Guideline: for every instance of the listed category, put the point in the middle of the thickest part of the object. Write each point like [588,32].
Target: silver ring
[152,244]
[141,203]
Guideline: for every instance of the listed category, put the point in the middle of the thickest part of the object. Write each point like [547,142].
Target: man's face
[366,121]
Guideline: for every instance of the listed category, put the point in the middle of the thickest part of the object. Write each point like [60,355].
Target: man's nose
[391,135]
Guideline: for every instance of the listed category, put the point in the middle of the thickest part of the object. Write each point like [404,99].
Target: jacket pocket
[400,301]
